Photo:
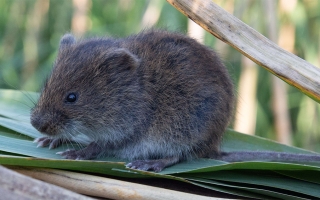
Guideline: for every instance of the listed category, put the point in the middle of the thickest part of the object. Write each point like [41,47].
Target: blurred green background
[30,31]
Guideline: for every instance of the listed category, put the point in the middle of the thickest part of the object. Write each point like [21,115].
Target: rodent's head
[88,80]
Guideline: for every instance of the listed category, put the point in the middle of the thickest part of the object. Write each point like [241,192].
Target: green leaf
[20,127]
[309,175]
[225,188]
[245,191]
[234,141]
[101,167]
[269,179]
[252,165]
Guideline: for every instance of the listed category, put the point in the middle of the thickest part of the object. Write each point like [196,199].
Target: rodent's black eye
[71,98]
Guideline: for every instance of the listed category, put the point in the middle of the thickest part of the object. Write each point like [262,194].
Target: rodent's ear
[121,59]
[67,40]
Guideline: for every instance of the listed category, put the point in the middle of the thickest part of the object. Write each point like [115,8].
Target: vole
[155,98]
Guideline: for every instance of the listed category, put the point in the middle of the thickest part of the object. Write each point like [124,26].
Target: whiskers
[74,134]
[32,97]
[17,104]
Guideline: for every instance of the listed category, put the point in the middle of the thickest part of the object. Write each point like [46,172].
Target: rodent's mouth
[46,128]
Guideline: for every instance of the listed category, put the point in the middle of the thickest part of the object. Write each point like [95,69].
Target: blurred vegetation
[30,31]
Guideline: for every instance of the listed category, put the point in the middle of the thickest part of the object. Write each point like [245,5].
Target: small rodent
[156,98]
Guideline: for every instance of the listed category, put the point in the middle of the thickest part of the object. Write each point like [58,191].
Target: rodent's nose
[40,124]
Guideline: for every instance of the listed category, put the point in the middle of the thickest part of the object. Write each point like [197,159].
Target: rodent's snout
[39,124]
[43,124]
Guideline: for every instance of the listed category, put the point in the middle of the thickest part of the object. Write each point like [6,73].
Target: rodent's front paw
[45,141]
[147,165]
[87,153]
[73,154]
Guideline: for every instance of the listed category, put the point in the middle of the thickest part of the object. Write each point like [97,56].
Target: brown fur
[156,96]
